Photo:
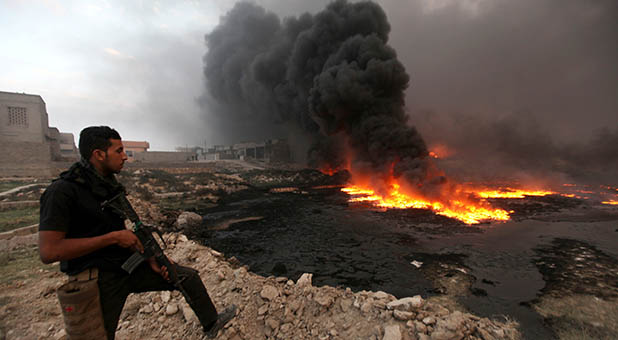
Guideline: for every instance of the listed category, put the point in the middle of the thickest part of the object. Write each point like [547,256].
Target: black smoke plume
[331,75]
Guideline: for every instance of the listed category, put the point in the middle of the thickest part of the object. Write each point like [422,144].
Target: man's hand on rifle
[162,270]
[127,239]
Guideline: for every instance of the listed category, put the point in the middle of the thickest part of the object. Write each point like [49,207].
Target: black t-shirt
[72,208]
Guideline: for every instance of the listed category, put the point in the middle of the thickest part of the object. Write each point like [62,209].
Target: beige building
[67,145]
[23,118]
[137,152]
[27,144]
[132,148]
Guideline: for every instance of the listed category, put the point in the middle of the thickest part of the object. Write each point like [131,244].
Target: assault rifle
[152,248]
[120,206]
[184,279]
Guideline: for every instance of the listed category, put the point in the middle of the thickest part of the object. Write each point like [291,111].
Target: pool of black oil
[402,252]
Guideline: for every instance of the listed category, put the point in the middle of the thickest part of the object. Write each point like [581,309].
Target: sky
[137,65]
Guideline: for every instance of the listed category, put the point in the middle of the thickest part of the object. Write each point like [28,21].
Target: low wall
[25,152]
[163,156]
[26,170]
[167,165]
[36,170]
[25,159]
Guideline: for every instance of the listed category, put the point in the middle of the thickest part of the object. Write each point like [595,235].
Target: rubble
[269,307]
[406,304]
[187,220]
[277,308]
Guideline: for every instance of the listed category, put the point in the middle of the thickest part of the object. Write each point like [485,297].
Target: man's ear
[99,155]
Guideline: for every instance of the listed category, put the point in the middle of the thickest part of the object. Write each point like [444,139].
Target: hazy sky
[137,65]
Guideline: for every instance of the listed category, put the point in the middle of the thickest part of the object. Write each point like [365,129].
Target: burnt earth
[315,230]
[575,267]
[447,272]
[577,276]
[532,206]
[288,222]
[308,229]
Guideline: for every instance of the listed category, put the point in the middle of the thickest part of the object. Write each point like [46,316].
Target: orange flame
[467,203]
[440,151]
[328,170]
[512,193]
[466,212]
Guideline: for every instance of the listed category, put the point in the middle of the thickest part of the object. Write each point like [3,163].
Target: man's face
[115,157]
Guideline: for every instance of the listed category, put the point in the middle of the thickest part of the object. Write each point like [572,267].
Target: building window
[18,116]
[129,153]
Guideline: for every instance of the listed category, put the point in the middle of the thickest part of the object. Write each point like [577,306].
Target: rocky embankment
[269,307]
[278,308]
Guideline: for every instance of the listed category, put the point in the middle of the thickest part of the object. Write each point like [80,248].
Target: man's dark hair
[96,137]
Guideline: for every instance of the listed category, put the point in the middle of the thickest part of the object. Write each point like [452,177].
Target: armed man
[83,224]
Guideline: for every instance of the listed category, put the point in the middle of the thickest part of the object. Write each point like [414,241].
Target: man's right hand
[127,239]
[54,246]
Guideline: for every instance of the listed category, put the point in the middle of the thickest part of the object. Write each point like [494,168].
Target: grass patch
[20,263]
[18,217]
[580,316]
[8,185]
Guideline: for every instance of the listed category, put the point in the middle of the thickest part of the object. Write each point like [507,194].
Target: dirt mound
[269,308]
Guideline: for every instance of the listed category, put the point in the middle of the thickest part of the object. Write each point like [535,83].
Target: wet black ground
[500,268]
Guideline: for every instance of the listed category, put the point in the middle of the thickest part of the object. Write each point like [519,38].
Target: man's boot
[222,319]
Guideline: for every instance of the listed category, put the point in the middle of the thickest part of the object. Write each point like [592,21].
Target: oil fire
[439,151]
[458,207]
[461,209]
[512,193]
[467,202]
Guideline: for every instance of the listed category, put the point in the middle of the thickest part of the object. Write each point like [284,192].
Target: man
[78,230]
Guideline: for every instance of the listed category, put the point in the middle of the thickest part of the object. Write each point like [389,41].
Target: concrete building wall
[217,156]
[164,156]
[25,152]
[23,117]
[131,148]
[272,150]
[53,139]
[25,159]
[68,149]
[28,146]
